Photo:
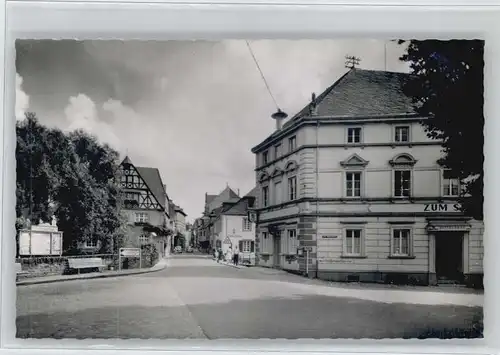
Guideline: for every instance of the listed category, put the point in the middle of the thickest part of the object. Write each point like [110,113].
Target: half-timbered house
[145,205]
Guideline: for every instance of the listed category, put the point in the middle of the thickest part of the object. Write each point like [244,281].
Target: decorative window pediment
[277,173]
[264,176]
[403,160]
[354,161]
[291,166]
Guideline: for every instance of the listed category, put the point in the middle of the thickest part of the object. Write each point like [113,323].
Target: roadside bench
[87,264]
[19,271]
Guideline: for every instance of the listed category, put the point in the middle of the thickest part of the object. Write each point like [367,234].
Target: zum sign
[441,207]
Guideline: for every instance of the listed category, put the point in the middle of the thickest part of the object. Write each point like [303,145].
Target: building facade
[205,226]
[231,228]
[144,206]
[355,180]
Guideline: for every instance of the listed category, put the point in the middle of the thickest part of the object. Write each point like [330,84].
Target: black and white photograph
[249,189]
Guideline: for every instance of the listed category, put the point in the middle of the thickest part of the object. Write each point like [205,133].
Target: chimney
[279,124]
[279,116]
[238,192]
[313,108]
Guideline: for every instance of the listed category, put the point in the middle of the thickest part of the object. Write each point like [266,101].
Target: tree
[71,176]
[447,87]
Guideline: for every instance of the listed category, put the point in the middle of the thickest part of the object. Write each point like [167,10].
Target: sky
[192,109]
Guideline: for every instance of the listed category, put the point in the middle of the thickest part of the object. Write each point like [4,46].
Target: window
[265,157]
[352,242]
[292,188]
[92,243]
[141,217]
[401,242]
[144,239]
[402,134]
[246,246]
[451,185]
[265,196]
[277,193]
[132,196]
[354,135]
[292,144]
[277,151]
[353,184]
[292,242]
[247,225]
[402,183]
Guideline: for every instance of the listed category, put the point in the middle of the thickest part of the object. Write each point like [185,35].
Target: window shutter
[240,245]
[252,246]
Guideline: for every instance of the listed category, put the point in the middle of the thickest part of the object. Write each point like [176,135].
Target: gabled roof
[209,198]
[225,195]
[180,210]
[358,94]
[238,207]
[152,179]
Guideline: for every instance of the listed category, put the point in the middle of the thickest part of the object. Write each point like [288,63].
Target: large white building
[354,178]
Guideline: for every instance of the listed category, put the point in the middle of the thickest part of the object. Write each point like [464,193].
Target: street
[194,297]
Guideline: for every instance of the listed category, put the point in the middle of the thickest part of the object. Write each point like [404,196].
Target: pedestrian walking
[229,255]
[220,255]
[236,256]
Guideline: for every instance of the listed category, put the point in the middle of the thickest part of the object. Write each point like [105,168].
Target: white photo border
[187,20]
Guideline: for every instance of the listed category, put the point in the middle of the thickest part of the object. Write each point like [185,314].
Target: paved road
[197,298]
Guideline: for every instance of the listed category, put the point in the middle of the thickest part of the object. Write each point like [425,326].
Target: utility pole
[351,61]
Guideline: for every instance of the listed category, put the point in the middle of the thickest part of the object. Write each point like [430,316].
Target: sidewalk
[231,264]
[160,265]
[423,295]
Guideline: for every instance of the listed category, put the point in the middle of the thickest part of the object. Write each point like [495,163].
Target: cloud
[81,113]
[22,99]
[192,109]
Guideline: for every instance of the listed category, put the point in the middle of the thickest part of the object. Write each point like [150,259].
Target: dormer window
[354,135]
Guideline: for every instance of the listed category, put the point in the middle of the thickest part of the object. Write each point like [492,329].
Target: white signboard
[56,247]
[40,242]
[130,252]
[24,243]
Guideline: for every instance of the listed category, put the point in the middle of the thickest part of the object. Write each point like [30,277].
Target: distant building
[231,227]
[145,206]
[354,178]
[204,230]
[179,220]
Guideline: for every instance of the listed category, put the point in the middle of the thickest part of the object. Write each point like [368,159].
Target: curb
[34,281]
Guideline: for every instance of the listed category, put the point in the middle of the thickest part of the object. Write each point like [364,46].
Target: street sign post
[306,250]
[129,253]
